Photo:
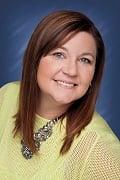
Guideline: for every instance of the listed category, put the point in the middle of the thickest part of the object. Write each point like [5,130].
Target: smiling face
[65,74]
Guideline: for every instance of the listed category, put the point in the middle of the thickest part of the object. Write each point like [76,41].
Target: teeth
[65,84]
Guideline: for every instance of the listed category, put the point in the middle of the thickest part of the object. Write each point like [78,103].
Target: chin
[64,101]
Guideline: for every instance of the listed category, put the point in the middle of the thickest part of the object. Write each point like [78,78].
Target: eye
[59,55]
[86,60]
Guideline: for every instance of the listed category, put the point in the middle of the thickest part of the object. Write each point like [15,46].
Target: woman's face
[64,75]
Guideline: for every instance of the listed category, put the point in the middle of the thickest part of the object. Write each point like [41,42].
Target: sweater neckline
[41,118]
[40,121]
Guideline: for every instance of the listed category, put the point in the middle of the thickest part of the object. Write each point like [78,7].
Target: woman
[48,125]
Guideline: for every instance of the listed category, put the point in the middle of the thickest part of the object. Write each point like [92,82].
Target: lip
[66,81]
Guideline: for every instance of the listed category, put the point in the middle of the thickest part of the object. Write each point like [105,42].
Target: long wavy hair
[50,33]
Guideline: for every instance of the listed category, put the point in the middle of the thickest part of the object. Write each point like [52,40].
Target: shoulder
[10,85]
[96,130]
[8,93]
[9,88]
[97,151]
[100,136]
[103,160]
[99,125]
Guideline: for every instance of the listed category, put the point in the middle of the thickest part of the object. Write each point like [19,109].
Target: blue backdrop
[19,18]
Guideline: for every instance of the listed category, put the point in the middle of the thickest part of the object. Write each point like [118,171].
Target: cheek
[85,81]
[90,76]
[87,76]
[45,71]
[41,72]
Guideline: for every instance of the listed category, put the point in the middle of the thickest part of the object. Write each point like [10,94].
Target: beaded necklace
[40,136]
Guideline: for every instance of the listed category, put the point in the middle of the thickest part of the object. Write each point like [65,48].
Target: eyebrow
[83,54]
[88,54]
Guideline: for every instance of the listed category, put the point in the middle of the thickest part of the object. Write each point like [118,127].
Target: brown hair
[49,34]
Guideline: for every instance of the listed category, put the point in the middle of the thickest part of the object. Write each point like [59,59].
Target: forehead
[82,41]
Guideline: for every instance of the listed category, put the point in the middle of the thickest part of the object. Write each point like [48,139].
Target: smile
[65,84]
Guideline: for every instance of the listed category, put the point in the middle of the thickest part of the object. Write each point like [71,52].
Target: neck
[50,110]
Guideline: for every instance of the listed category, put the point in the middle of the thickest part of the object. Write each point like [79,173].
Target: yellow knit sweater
[94,155]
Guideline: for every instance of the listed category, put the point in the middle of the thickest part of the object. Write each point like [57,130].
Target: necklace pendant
[26,152]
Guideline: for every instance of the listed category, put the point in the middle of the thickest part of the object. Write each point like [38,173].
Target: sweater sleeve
[3,91]
[103,161]
[4,100]
[7,92]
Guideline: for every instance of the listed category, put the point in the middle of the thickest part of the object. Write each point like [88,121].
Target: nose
[69,68]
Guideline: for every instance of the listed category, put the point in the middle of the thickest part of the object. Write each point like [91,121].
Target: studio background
[18,20]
